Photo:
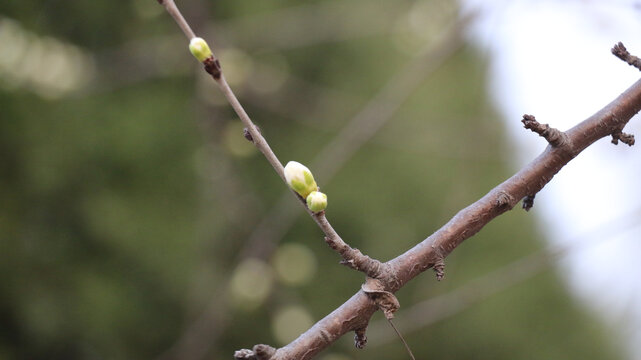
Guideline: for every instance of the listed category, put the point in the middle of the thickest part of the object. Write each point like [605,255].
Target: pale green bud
[300,179]
[316,201]
[200,49]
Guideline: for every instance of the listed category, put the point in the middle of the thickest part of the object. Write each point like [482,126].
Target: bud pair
[301,180]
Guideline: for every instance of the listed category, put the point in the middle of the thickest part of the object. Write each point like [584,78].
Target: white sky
[552,59]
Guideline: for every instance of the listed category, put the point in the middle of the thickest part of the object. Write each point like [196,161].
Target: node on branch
[247,135]
[555,137]
[260,352]
[528,202]
[622,53]
[627,139]
[360,339]
[385,300]
[212,66]
[439,269]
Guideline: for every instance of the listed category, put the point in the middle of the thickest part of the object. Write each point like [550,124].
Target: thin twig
[360,129]
[352,258]
[171,8]
[380,109]
[257,138]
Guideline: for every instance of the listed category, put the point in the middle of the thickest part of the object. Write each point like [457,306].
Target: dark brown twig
[622,53]
[554,136]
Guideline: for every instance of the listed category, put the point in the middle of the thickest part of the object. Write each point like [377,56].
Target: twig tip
[553,136]
[625,138]
[622,53]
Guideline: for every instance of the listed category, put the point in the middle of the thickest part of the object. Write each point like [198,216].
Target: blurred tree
[128,193]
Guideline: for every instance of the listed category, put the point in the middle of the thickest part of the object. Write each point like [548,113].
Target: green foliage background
[124,204]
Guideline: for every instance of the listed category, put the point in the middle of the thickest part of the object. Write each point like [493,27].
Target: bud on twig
[200,49]
[316,201]
[300,179]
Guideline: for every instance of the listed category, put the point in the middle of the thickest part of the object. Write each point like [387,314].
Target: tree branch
[355,312]
[361,128]
[384,279]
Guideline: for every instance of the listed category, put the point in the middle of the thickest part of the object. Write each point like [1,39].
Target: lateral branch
[627,139]
[622,53]
[554,136]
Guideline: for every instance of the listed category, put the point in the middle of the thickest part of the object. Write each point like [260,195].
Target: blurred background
[136,222]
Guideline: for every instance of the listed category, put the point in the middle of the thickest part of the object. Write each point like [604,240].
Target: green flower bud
[299,178]
[199,49]
[316,201]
